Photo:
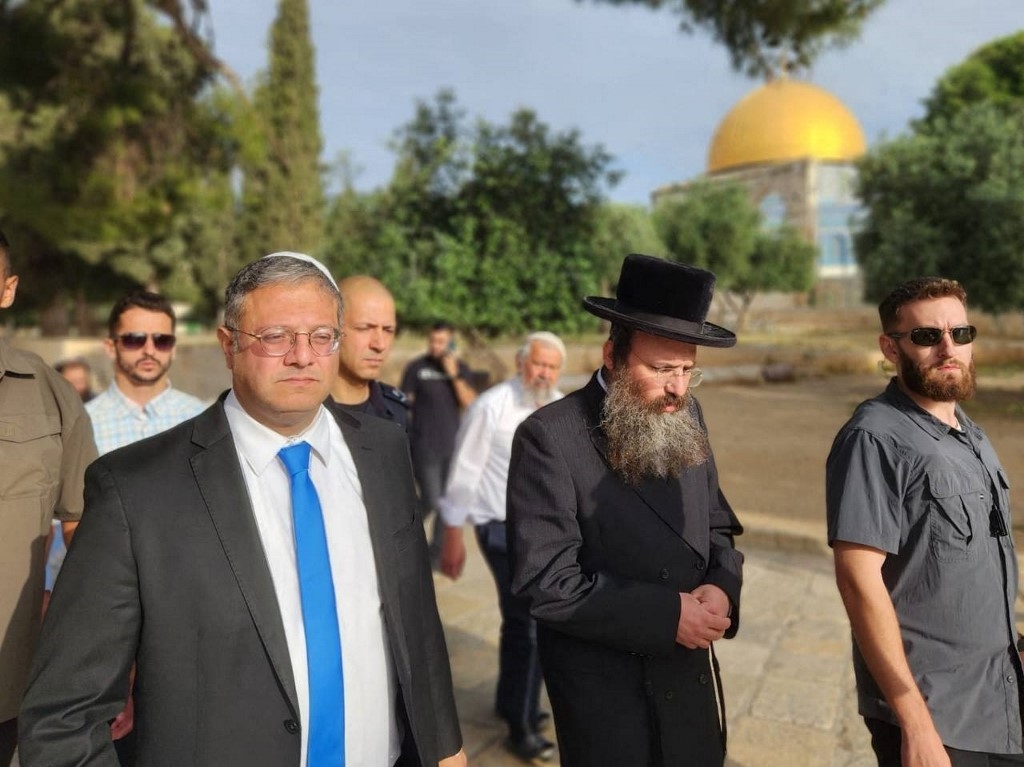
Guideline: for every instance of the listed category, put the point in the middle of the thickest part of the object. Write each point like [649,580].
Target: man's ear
[227,345]
[10,287]
[888,348]
[606,355]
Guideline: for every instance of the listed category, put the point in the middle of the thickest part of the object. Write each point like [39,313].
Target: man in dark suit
[621,539]
[190,564]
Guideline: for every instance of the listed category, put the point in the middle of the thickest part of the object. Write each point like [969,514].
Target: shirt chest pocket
[958,515]
[30,452]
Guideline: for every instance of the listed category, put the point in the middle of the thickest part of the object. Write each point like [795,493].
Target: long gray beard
[645,442]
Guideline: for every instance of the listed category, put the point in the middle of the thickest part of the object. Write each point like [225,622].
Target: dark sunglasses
[162,342]
[961,334]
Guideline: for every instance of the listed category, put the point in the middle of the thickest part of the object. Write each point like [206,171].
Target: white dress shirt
[483,450]
[371,732]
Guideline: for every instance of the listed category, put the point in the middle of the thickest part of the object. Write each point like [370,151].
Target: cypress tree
[283,186]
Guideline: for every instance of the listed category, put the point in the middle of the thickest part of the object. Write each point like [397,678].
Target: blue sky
[625,77]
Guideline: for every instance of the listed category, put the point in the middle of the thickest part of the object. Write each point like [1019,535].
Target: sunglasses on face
[162,342]
[961,335]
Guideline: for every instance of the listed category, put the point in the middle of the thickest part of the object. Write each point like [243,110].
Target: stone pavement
[788,682]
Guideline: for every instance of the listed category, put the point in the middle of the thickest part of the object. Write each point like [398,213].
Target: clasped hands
[703,617]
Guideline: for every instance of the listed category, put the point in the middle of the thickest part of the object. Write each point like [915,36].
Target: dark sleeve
[725,562]
[409,379]
[863,500]
[546,545]
[79,680]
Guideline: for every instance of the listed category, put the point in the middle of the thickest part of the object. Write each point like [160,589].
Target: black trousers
[887,739]
[519,675]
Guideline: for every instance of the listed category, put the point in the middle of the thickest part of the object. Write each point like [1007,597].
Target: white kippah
[308,259]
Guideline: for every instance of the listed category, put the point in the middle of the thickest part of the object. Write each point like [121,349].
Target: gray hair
[541,337]
[275,270]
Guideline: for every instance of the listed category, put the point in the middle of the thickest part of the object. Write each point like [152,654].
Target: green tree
[107,149]
[283,197]
[764,36]
[549,183]
[993,74]
[715,226]
[621,230]
[489,225]
[948,199]
[783,261]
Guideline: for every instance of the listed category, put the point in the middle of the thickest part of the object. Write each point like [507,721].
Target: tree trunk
[84,321]
[55,319]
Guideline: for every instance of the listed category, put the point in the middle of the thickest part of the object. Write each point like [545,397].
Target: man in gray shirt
[919,522]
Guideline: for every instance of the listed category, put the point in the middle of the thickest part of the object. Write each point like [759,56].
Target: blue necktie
[326,742]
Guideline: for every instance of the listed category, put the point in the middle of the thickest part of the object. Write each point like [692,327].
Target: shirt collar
[259,445]
[11,361]
[152,407]
[925,420]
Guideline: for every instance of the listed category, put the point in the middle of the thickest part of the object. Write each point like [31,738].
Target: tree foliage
[716,227]
[993,74]
[621,230]
[283,196]
[766,36]
[948,199]
[487,225]
[110,157]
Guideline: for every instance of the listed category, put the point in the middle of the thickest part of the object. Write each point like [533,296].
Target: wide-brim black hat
[664,298]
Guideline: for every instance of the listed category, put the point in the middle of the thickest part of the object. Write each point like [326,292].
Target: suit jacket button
[699,564]
[663,574]
[291,726]
[669,695]
[703,679]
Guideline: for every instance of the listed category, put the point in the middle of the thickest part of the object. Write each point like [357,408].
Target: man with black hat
[621,539]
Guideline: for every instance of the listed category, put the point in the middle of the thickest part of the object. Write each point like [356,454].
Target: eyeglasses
[277,342]
[664,374]
[961,335]
[162,342]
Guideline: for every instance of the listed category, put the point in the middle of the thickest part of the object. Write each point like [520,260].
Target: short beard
[139,380]
[935,385]
[646,442]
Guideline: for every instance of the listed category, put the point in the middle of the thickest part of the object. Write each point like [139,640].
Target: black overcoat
[602,565]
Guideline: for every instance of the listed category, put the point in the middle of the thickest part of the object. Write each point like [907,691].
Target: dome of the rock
[782,121]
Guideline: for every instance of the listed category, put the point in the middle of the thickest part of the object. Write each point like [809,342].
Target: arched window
[773,208]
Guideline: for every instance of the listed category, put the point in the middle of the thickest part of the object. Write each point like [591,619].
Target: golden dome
[785,120]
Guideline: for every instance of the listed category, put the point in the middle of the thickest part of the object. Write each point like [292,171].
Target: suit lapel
[222,486]
[663,497]
[384,513]
[365,452]
[376,481]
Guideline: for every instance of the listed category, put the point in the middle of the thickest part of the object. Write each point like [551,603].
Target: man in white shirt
[476,492]
[193,541]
